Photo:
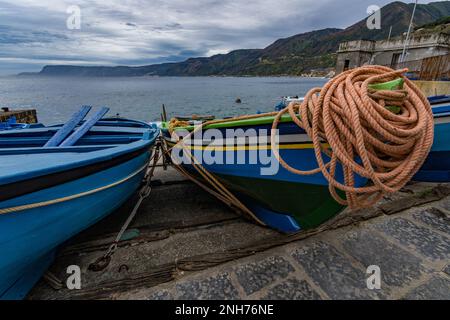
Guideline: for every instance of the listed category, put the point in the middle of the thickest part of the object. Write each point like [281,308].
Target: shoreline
[154,77]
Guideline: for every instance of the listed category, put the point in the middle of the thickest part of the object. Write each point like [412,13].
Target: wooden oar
[85,127]
[67,128]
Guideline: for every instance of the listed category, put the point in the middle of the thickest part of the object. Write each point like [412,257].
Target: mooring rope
[364,137]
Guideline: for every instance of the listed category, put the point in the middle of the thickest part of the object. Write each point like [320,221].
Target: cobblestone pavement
[411,251]
[410,245]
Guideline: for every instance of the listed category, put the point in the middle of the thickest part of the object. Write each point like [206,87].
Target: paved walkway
[186,245]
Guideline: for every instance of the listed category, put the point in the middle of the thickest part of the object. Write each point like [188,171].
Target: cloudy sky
[34,33]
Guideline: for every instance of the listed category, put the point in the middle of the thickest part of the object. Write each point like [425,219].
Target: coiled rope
[364,136]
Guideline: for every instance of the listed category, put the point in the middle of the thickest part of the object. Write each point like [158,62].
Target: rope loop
[364,136]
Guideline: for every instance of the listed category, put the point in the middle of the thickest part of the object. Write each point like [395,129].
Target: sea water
[56,98]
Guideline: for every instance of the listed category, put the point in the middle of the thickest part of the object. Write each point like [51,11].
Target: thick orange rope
[364,136]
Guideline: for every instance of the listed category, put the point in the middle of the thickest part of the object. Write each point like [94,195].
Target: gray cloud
[136,32]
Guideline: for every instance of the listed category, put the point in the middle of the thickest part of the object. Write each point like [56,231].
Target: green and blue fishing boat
[283,200]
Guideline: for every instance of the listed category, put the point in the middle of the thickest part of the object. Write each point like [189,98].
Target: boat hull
[282,200]
[29,237]
[287,206]
[289,202]
[437,165]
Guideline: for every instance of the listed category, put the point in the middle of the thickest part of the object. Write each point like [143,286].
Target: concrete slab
[332,271]
[421,239]
[434,217]
[257,275]
[437,288]
[212,288]
[398,267]
[292,289]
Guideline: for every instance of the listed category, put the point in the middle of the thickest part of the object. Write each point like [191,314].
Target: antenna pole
[402,58]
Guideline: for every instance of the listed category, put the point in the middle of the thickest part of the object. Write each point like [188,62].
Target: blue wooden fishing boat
[57,181]
[437,166]
[439,99]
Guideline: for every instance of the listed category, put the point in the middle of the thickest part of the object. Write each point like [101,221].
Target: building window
[346,64]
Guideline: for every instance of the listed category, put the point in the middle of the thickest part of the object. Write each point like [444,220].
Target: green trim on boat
[236,123]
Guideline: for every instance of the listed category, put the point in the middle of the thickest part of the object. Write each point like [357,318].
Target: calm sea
[141,98]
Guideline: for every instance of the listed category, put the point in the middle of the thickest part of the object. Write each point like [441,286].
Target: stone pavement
[193,247]
[412,250]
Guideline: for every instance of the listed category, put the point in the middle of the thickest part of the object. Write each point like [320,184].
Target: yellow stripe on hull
[299,146]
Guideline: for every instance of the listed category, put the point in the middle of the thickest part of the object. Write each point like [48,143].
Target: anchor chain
[102,262]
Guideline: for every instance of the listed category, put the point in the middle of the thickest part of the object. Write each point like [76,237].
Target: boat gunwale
[38,150]
[236,123]
[115,122]
[35,183]
[265,120]
[85,159]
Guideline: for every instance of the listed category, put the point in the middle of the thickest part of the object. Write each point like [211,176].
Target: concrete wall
[357,45]
[431,88]
[362,52]
[385,57]
[415,42]
[356,59]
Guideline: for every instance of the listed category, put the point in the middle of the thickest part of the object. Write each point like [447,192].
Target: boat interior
[106,133]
